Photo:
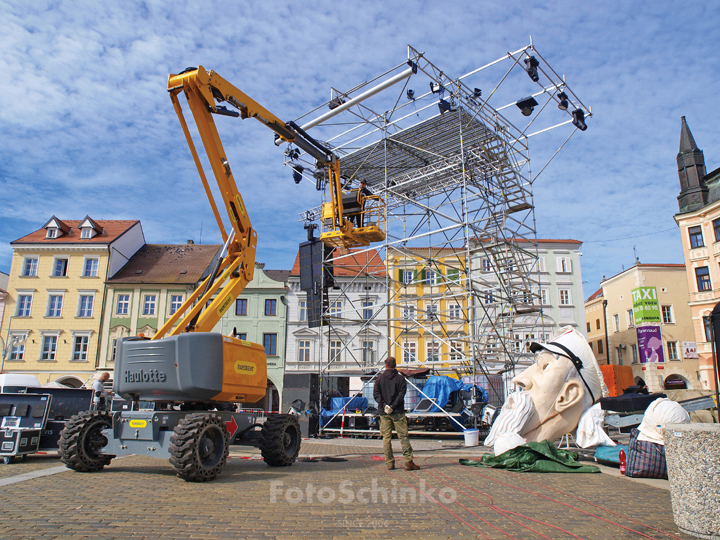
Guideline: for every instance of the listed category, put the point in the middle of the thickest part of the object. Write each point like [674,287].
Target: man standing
[99,392]
[389,392]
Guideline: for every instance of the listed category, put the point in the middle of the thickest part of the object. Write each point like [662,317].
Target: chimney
[191,242]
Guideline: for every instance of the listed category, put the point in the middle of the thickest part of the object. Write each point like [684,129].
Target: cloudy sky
[87,127]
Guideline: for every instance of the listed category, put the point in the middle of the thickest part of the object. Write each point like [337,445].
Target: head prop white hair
[572,345]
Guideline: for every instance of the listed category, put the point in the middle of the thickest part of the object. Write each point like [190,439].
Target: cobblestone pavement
[139,497]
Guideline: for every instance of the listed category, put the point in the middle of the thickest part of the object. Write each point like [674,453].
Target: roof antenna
[201,224]
[637,260]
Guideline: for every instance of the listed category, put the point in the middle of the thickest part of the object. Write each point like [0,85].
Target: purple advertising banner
[650,349]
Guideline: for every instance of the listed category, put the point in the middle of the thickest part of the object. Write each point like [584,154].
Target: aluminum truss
[454,170]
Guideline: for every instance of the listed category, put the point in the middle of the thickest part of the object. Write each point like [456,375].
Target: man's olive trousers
[399,422]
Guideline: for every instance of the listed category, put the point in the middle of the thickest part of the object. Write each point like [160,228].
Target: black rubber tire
[280,440]
[81,441]
[199,447]
[7,460]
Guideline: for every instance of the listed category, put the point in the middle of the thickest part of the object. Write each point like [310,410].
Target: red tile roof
[366,262]
[112,230]
[167,263]
[595,295]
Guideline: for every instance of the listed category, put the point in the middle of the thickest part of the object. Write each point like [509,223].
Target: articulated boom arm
[204,90]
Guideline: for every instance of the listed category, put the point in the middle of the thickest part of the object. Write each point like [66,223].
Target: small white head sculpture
[564,382]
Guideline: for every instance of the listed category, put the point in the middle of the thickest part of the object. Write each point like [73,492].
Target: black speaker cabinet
[302,391]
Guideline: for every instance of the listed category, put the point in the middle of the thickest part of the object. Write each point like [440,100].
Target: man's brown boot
[390,465]
[411,466]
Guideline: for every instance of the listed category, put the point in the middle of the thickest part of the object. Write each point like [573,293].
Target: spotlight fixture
[411,94]
[579,119]
[531,65]
[444,106]
[336,102]
[435,87]
[477,93]
[563,105]
[526,105]
[297,173]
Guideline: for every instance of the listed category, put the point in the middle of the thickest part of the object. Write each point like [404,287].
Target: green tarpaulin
[534,457]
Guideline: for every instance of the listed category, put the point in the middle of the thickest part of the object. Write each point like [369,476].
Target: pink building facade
[699,222]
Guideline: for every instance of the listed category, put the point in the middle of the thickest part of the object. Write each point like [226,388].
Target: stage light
[563,105]
[297,173]
[435,87]
[579,119]
[531,65]
[411,94]
[444,106]
[527,105]
[477,93]
[336,102]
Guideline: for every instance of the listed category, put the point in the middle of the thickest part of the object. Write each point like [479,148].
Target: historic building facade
[675,364]
[354,337]
[699,222]
[56,294]
[554,300]
[428,318]
[596,324]
[149,289]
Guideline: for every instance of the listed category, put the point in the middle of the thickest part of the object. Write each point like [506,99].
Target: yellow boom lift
[185,369]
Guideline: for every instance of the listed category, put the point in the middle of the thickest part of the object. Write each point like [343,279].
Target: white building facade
[354,338]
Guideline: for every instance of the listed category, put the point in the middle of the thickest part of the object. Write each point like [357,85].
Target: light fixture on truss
[527,105]
[563,105]
[531,65]
[579,119]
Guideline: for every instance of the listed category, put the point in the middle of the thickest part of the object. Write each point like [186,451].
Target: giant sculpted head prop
[564,381]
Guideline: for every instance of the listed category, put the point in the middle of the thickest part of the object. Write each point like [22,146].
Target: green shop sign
[645,305]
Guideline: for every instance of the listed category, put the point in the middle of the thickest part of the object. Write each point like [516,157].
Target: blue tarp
[350,404]
[440,387]
[337,404]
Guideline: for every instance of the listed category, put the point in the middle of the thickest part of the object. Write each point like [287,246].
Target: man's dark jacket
[390,388]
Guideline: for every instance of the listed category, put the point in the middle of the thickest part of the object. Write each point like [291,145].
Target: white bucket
[472,437]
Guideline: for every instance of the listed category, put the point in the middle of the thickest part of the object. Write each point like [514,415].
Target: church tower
[691,170]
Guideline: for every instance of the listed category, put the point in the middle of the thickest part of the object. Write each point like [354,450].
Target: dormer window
[89,228]
[55,228]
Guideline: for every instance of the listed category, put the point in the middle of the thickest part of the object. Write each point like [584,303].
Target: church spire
[687,143]
[691,170]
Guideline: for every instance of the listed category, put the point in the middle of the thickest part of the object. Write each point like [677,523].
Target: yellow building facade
[56,292]
[428,308]
[678,364]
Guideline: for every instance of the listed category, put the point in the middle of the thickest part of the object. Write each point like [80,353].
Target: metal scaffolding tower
[452,164]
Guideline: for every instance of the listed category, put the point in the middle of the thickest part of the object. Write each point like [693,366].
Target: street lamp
[7,348]
[607,342]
